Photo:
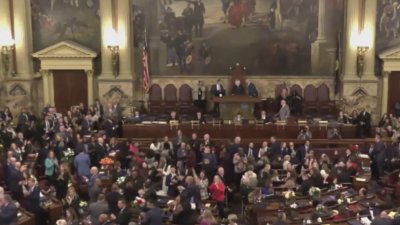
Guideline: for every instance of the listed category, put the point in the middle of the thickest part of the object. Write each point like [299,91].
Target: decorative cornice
[65,49]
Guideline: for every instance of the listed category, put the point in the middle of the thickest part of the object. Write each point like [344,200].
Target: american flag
[145,61]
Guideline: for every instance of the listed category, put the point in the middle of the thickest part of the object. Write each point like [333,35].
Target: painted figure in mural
[388,21]
[188,19]
[237,13]
[225,7]
[198,16]
[169,40]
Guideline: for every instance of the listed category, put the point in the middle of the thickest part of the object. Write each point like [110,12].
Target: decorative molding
[359,92]
[115,89]
[65,49]
[17,90]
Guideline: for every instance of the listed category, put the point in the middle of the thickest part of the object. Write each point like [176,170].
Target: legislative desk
[25,217]
[266,211]
[229,106]
[229,131]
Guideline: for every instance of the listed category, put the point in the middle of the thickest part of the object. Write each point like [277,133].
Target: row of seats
[316,99]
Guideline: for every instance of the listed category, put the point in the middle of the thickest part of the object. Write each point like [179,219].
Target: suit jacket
[153,217]
[95,209]
[199,93]
[378,154]
[33,201]
[252,90]
[284,113]
[201,120]
[254,152]
[364,119]
[110,129]
[82,164]
[301,153]
[217,93]
[8,214]
[85,128]
[124,217]
[238,90]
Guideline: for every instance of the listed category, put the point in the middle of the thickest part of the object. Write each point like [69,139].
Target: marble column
[385,91]
[350,36]
[125,34]
[46,86]
[5,27]
[23,38]
[318,48]
[106,24]
[321,21]
[370,31]
[89,74]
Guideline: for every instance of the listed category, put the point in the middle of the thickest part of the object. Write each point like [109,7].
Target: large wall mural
[269,37]
[387,24]
[59,20]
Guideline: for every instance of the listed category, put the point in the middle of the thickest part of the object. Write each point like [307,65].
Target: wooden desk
[229,131]
[54,210]
[25,218]
[229,106]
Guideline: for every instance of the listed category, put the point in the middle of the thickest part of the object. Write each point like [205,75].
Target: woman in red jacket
[217,192]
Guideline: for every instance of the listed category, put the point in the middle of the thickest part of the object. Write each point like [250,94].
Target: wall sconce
[361,60]
[114,49]
[7,58]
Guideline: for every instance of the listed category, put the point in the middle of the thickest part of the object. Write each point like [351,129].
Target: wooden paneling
[394,90]
[70,88]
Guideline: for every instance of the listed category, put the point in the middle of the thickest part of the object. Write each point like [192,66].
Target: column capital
[386,73]
[89,73]
[44,73]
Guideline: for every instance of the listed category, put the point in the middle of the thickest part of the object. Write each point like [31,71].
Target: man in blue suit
[82,164]
[8,211]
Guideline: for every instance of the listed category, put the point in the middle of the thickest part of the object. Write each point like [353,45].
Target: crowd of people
[55,155]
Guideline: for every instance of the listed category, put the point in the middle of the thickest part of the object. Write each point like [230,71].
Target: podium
[229,106]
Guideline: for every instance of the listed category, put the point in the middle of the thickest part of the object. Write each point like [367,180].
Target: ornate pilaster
[370,31]
[321,21]
[89,74]
[321,56]
[350,36]
[106,26]
[47,96]
[124,32]
[5,29]
[385,91]
[23,38]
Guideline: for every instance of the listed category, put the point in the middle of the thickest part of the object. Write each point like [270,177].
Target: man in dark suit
[302,151]
[251,151]
[251,89]
[179,139]
[111,128]
[8,211]
[23,121]
[275,148]
[237,88]
[153,216]
[32,201]
[217,90]
[136,118]
[364,124]
[124,215]
[200,118]
[97,208]
[377,154]
[85,126]
[265,118]
[13,177]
